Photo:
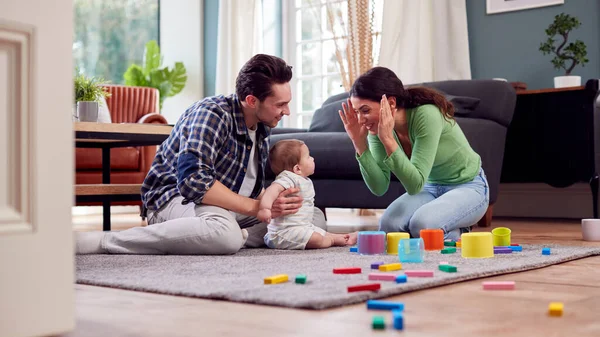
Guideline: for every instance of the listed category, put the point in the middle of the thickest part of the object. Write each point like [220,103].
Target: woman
[412,134]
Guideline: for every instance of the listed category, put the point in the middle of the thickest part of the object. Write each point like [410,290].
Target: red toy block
[361,287]
[353,270]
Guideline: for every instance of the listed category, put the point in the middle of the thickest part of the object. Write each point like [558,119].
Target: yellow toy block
[555,309]
[276,279]
[390,267]
[458,244]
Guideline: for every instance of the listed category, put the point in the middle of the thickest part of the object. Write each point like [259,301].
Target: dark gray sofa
[484,112]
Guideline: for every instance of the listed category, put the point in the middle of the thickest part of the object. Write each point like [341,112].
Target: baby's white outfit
[293,231]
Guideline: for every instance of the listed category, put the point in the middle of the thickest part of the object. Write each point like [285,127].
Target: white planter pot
[87,111]
[567,81]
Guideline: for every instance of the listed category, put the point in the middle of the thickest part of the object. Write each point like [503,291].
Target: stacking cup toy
[392,241]
[501,236]
[433,238]
[411,250]
[371,242]
[477,245]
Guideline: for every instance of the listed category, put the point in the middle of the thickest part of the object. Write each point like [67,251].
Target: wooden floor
[461,309]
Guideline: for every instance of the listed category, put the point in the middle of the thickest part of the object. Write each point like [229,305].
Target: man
[203,190]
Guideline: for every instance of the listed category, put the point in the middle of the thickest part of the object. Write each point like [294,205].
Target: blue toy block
[401,278]
[398,319]
[545,251]
[411,250]
[353,249]
[516,248]
[385,305]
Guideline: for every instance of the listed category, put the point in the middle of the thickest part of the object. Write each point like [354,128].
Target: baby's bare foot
[340,240]
[352,238]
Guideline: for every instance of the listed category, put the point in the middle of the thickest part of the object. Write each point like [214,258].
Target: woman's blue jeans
[452,208]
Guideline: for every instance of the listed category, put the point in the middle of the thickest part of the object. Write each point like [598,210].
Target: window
[111,34]
[310,47]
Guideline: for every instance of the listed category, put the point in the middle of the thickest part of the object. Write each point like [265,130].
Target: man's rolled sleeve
[201,138]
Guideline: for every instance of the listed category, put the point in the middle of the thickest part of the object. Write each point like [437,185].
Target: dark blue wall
[506,44]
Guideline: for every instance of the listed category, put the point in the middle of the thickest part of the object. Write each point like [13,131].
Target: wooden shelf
[107,189]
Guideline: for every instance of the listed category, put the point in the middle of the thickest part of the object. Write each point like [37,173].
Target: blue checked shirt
[209,142]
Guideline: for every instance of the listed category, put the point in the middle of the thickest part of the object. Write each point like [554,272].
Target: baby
[292,164]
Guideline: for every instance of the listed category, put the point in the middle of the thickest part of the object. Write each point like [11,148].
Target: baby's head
[291,155]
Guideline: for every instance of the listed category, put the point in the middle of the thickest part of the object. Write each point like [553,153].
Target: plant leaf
[177,78]
[134,76]
[152,58]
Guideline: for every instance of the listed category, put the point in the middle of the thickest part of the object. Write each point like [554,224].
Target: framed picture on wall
[501,6]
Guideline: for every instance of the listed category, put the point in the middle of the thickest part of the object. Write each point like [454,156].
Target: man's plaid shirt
[209,142]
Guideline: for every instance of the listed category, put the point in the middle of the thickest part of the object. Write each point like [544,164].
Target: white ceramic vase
[567,81]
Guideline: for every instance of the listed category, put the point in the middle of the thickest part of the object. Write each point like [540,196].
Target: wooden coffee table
[106,136]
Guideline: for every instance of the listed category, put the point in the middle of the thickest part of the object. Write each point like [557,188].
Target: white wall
[181,41]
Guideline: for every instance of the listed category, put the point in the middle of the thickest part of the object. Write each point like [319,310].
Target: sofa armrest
[279,131]
[153,118]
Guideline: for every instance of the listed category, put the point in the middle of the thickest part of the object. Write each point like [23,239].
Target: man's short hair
[258,75]
[285,154]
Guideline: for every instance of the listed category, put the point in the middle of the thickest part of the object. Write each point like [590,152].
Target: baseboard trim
[544,201]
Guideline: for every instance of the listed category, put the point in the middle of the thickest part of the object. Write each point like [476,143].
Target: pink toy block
[419,273]
[499,285]
[443,262]
[382,277]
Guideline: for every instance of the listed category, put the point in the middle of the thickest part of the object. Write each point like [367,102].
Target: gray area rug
[240,277]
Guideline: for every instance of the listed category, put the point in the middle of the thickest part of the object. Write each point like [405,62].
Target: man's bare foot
[352,238]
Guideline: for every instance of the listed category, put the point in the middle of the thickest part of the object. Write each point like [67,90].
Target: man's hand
[286,203]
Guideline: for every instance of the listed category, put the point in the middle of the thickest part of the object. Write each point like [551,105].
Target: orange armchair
[129,165]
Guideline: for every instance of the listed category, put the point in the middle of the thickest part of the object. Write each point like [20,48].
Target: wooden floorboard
[460,309]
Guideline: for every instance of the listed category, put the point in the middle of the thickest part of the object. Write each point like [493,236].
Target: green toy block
[447,268]
[301,278]
[378,323]
[449,243]
[448,250]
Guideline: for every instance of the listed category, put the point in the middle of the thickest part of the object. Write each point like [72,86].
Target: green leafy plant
[89,89]
[169,82]
[575,51]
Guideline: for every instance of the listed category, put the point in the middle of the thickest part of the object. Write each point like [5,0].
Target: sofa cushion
[121,158]
[327,118]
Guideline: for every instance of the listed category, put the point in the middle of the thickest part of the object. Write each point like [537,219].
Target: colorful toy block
[375,265]
[351,270]
[384,305]
[276,279]
[382,277]
[499,285]
[449,243]
[545,251]
[398,319]
[514,244]
[411,250]
[353,249]
[390,267]
[363,287]
[419,273]
[555,309]
[516,248]
[447,268]
[401,278]
[502,250]
[443,262]
[301,278]
[378,323]
[451,250]
[458,244]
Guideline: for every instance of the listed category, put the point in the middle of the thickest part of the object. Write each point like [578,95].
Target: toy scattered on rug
[555,309]
[396,309]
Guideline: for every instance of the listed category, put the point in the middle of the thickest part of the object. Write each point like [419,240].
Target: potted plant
[169,82]
[88,95]
[575,52]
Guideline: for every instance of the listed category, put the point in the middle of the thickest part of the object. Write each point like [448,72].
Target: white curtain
[239,38]
[425,40]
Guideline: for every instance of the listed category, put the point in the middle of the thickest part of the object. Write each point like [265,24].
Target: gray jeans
[191,230]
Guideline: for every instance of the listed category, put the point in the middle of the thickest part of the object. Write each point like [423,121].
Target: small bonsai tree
[575,52]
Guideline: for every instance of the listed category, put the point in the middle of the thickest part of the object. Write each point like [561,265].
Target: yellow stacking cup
[501,236]
[393,239]
[477,245]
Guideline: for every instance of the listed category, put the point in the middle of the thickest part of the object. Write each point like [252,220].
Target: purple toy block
[375,265]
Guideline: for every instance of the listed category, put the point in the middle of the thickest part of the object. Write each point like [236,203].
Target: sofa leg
[486,221]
